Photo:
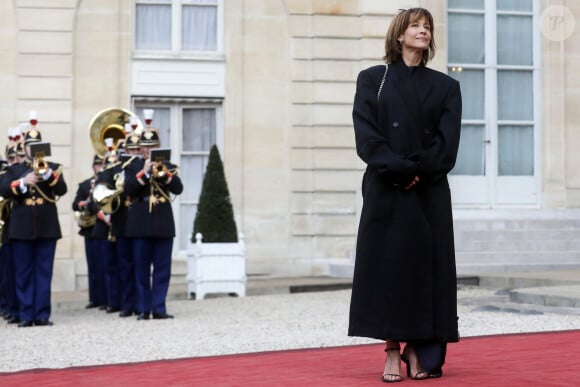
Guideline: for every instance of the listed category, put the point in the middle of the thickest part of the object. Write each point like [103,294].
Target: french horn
[85,219]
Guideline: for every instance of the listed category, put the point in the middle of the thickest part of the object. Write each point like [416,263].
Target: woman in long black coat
[407,121]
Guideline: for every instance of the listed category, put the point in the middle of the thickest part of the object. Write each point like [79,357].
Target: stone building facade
[278,82]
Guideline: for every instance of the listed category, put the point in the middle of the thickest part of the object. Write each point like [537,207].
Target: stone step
[511,235]
[563,296]
[521,224]
[531,279]
[482,268]
[178,271]
[520,257]
[518,245]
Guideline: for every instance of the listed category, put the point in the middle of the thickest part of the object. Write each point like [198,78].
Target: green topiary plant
[215,214]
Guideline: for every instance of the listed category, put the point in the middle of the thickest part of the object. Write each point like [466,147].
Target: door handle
[487,141]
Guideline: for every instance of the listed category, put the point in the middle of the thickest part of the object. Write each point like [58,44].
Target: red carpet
[544,359]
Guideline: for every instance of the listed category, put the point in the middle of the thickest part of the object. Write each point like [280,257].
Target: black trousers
[431,355]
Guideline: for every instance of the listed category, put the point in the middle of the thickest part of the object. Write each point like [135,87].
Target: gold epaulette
[112,165]
[174,171]
[58,170]
[128,162]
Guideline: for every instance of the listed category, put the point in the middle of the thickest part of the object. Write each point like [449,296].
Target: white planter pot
[216,268]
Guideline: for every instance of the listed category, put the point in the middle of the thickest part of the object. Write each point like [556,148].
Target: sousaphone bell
[110,123]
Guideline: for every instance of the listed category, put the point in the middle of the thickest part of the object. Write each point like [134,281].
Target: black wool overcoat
[404,285]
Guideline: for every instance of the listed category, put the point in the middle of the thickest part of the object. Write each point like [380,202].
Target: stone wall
[289,154]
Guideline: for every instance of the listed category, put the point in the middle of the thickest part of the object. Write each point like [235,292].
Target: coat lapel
[424,86]
[406,89]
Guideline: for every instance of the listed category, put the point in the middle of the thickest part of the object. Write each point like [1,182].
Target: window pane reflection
[466,38]
[472,92]
[471,155]
[515,150]
[515,95]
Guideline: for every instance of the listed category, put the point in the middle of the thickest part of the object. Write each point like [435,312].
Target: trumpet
[38,151]
[159,170]
[39,166]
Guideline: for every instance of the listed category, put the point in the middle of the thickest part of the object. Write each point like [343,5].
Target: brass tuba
[109,123]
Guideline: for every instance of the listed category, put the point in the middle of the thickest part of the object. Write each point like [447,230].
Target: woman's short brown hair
[393,48]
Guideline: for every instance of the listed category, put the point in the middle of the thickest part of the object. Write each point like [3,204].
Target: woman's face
[417,36]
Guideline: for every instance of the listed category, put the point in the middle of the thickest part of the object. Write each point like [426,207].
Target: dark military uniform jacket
[34,214]
[5,205]
[100,230]
[150,213]
[83,193]
[109,177]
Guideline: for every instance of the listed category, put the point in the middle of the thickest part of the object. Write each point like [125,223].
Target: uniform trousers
[112,282]
[152,287]
[95,272]
[124,248]
[11,297]
[4,278]
[34,261]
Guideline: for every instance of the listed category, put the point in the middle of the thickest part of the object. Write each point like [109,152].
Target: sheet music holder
[39,149]
[160,155]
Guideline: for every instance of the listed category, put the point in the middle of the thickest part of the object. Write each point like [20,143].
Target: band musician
[113,177]
[34,229]
[151,224]
[86,222]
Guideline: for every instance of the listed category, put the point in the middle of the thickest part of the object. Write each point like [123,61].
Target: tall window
[491,52]
[178,25]
[189,130]
[198,134]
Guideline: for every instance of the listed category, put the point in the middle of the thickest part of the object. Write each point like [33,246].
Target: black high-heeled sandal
[386,378]
[419,375]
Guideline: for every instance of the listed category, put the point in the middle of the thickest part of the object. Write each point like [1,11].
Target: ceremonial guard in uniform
[10,300]
[6,274]
[86,222]
[151,225]
[102,232]
[114,178]
[34,230]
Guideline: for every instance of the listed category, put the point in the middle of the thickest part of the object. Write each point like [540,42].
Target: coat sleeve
[5,179]
[441,155]
[175,186]
[133,185]
[80,196]
[372,146]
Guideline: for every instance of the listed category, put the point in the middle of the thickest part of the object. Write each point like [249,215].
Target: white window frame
[175,51]
[491,121]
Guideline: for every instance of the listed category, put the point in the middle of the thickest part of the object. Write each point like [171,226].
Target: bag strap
[382,82]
